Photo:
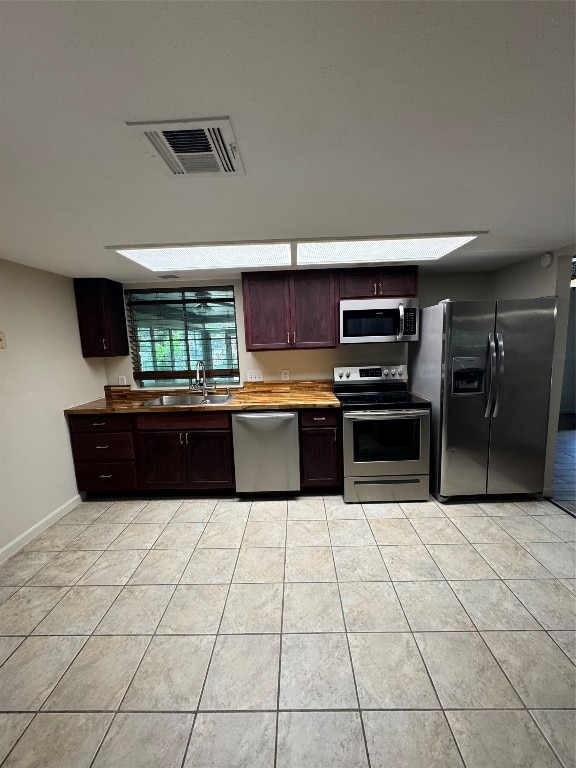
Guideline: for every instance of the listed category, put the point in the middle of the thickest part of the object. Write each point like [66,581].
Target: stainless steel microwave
[375,320]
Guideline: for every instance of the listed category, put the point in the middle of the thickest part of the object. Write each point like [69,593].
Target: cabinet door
[358,284]
[320,457]
[313,301]
[101,317]
[162,459]
[266,310]
[397,281]
[210,462]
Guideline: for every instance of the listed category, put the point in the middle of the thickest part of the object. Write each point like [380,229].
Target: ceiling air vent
[192,147]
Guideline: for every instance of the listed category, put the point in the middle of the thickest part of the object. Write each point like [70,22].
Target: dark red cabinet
[313,302]
[192,451]
[320,449]
[103,451]
[161,460]
[373,283]
[266,310]
[101,317]
[289,310]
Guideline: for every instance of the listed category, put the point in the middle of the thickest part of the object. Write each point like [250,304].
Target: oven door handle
[384,415]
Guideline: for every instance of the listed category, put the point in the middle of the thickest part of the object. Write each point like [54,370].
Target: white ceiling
[352,119]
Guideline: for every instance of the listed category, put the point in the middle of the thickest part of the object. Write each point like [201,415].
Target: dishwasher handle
[265,416]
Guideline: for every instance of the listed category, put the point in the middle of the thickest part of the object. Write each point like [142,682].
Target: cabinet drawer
[103,477]
[104,446]
[100,423]
[184,421]
[319,418]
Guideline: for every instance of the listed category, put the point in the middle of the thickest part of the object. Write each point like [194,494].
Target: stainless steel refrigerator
[486,366]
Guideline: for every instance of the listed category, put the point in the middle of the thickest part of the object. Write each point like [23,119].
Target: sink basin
[188,400]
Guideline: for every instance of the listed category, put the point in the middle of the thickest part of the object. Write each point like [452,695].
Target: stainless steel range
[386,435]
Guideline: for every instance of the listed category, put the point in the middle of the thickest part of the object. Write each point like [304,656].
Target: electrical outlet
[254,375]
[122,381]
[2,340]
[285,374]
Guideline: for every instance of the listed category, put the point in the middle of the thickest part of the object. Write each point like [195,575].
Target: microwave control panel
[410,328]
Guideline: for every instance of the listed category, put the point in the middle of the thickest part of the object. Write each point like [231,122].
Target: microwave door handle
[400,334]
[500,373]
[492,387]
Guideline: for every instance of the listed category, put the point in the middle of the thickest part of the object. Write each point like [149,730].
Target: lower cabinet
[320,449]
[188,451]
[191,451]
[103,451]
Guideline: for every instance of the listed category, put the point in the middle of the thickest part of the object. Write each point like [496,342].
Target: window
[171,330]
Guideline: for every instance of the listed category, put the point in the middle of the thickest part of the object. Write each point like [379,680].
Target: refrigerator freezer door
[466,387]
[525,334]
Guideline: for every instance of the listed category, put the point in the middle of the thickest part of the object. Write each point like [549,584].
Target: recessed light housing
[180,258]
[397,249]
[187,258]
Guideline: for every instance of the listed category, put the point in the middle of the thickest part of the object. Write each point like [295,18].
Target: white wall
[42,372]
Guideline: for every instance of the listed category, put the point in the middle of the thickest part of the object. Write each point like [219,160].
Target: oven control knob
[340,374]
[400,371]
[393,372]
[347,374]
[386,372]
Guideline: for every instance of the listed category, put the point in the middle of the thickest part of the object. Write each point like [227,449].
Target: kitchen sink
[188,400]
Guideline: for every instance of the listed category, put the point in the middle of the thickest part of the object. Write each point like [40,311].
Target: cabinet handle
[105,345]
[98,423]
[335,435]
[101,447]
[293,337]
[288,337]
[381,291]
[105,477]
[181,438]
[375,289]
[187,436]
[319,418]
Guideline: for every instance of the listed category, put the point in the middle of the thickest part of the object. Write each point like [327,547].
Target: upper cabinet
[385,281]
[101,317]
[266,310]
[289,310]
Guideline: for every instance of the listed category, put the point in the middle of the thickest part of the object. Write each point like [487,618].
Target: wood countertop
[251,397]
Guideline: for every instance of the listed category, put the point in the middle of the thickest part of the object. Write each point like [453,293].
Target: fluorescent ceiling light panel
[184,258]
[358,251]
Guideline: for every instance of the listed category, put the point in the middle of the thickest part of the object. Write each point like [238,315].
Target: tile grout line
[338,584]
[362,726]
[429,676]
[524,707]
[281,640]
[478,632]
[117,711]
[91,634]
[201,694]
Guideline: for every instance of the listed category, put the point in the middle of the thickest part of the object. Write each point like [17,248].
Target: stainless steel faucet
[205,387]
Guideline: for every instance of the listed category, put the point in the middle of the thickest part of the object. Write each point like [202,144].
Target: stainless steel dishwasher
[266,453]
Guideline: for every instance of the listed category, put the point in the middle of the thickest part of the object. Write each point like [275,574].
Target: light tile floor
[291,634]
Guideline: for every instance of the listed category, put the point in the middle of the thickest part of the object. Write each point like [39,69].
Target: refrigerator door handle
[500,372]
[491,389]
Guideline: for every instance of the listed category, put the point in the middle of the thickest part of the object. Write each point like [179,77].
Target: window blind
[171,330]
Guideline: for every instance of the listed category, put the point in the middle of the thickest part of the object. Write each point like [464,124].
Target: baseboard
[20,541]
